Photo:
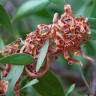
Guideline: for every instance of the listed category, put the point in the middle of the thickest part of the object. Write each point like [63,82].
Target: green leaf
[92,22]
[5,20]
[30,83]
[31,7]
[42,55]
[56,1]
[93,34]
[49,85]
[1,43]
[13,76]
[91,9]
[17,59]
[90,46]
[70,90]
[30,91]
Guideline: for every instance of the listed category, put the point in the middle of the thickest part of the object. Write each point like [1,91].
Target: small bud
[3,86]
[55,18]
[4,73]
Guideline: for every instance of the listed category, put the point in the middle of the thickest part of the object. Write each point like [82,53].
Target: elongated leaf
[31,7]
[56,1]
[49,85]
[93,34]
[91,9]
[1,43]
[32,82]
[5,20]
[42,55]
[70,90]
[13,76]
[17,59]
[92,22]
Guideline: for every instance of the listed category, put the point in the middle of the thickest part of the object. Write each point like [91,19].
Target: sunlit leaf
[49,85]
[70,90]
[13,76]
[30,83]
[31,7]
[17,59]
[42,55]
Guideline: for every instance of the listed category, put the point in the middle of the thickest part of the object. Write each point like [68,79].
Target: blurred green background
[22,17]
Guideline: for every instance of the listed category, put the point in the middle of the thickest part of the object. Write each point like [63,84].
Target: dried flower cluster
[3,87]
[66,36]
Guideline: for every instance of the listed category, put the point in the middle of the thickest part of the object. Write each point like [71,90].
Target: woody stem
[84,79]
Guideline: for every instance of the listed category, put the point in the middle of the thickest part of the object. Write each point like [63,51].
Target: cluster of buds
[70,33]
[11,48]
[3,87]
[66,35]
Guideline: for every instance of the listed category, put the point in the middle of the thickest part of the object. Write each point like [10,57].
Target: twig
[85,81]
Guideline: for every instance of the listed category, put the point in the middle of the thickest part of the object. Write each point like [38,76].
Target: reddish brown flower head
[70,32]
[3,86]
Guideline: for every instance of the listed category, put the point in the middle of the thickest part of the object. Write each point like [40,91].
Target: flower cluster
[3,87]
[66,36]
